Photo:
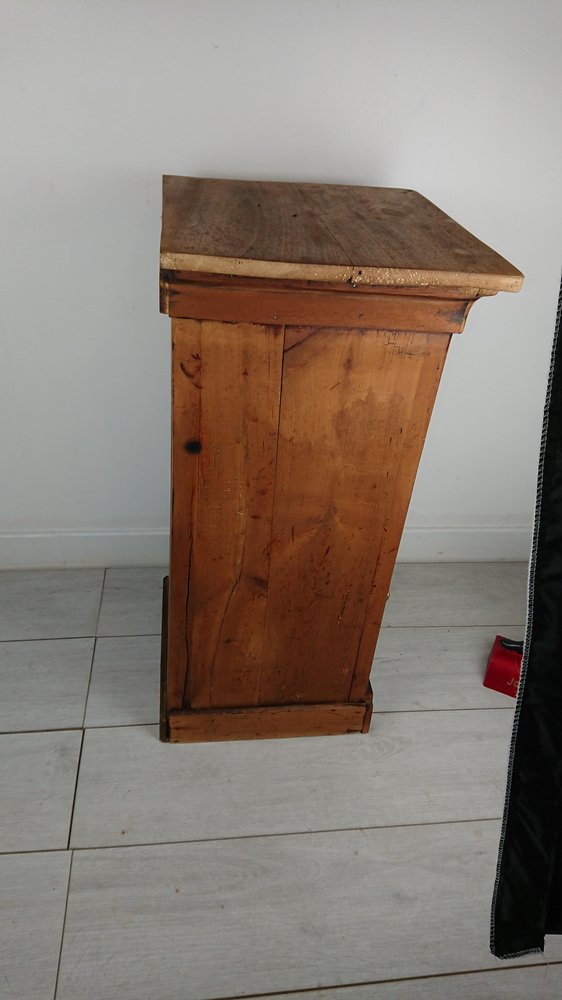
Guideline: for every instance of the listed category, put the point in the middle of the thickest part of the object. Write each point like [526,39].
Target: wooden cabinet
[310,326]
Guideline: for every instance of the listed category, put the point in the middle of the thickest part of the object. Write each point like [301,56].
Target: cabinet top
[323,232]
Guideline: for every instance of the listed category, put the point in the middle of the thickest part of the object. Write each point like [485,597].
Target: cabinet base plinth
[268,722]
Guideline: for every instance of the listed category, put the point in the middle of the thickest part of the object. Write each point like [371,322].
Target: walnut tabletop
[323,233]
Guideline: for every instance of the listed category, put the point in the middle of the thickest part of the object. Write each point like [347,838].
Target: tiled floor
[350,868]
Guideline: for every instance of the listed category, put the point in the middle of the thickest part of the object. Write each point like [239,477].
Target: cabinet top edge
[342,234]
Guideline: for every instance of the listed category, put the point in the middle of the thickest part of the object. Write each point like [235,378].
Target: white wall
[459,100]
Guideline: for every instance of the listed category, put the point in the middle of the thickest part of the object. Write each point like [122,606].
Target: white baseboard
[39,550]
[53,549]
[470,544]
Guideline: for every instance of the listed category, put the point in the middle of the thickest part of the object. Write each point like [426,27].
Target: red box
[504,666]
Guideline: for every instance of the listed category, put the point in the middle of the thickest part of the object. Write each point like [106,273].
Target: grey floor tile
[263,915]
[32,902]
[417,767]
[49,604]
[132,601]
[125,684]
[43,683]
[37,781]
[457,594]
[436,668]
[542,982]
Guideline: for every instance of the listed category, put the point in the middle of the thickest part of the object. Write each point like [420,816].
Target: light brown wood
[230,466]
[347,436]
[269,722]
[300,409]
[273,306]
[186,423]
[394,500]
[178,278]
[337,233]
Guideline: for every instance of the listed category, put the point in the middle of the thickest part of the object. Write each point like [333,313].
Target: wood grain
[404,446]
[186,419]
[272,305]
[180,276]
[310,328]
[342,233]
[269,722]
[345,428]
[239,385]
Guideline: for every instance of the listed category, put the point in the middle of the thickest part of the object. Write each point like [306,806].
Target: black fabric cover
[527,901]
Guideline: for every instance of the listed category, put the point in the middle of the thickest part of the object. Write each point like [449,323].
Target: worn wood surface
[223,478]
[310,328]
[403,448]
[180,276]
[341,233]
[294,454]
[344,472]
[186,419]
[269,722]
[243,304]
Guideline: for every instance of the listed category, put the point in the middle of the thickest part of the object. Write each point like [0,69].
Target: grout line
[63,929]
[255,836]
[134,635]
[80,728]
[34,732]
[93,650]
[65,638]
[154,722]
[384,982]
[140,635]
[286,833]
[75,791]
[458,625]
[100,601]
[421,711]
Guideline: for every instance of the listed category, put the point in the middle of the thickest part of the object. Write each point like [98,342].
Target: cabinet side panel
[349,403]
[186,401]
[240,385]
[400,487]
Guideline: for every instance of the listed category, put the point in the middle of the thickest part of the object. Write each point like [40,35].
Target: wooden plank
[394,498]
[399,237]
[186,418]
[239,392]
[318,308]
[286,284]
[381,236]
[267,722]
[348,398]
